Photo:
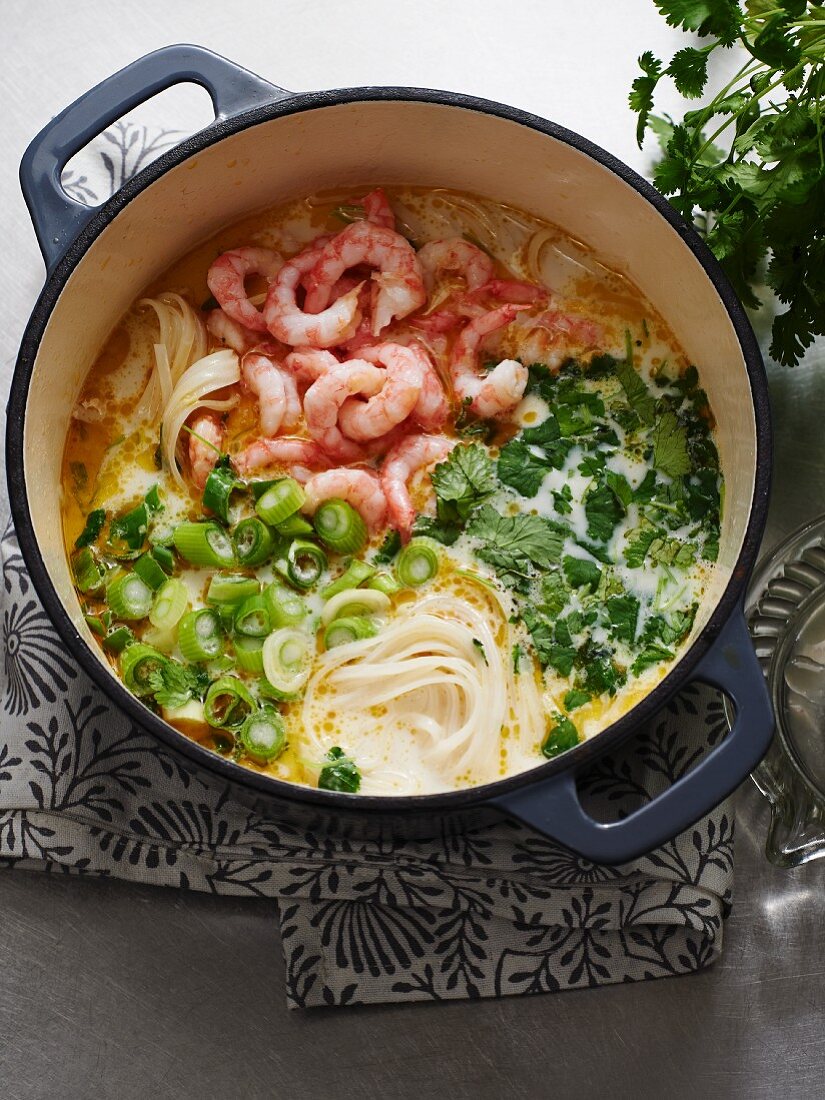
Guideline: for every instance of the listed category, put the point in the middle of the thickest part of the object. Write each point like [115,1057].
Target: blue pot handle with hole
[553,807]
[57,217]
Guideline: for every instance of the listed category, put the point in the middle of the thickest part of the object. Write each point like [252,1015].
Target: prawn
[431,408]
[377,208]
[205,445]
[308,364]
[510,290]
[401,383]
[225,280]
[275,388]
[230,333]
[324,398]
[399,280]
[299,456]
[358,487]
[412,454]
[499,391]
[554,336]
[322,328]
[454,254]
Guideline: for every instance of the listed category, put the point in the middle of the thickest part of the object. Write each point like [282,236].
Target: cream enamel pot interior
[267,145]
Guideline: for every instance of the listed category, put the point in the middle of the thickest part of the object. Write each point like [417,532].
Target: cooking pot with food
[266,146]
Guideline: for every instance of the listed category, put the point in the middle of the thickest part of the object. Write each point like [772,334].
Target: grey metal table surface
[116,990]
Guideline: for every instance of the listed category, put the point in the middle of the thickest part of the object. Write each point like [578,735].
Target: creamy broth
[607,443]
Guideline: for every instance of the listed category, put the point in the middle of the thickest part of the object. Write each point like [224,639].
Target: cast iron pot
[267,145]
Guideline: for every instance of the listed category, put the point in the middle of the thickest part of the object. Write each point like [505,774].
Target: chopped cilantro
[561,736]
[603,510]
[639,397]
[513,545]
[94,525]
[388,548]
[340,773]
[174,684]
[623,614]
[464,480]
[576,698]
[652,654]
[670,451]
[620,486]
[521,468]
[581,573]
[479,645]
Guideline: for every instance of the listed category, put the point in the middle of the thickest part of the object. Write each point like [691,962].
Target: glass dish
[785,609]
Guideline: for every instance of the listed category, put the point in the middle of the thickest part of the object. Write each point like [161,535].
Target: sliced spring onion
[253,541]
[295,527]
[384,582]
[352,629]
[228,702]
[358,602]
[285,607]
[200,636]
[117,640]
[88,575]
[249,653]
[356,573]
[252,618]
[418,562]
[96,624]
[280,501]
[164,557]
[127,533]
[137,663]
[204,544]
[230,588]
[219,487]
[94,525]
[260,487]
[339,526]
[153,501]
[263,735]
[129,597]
[150,571]
[171,602]
[287,658]
[305,562]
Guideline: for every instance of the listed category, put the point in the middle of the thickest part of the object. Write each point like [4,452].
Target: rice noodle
[440,673]
[210,373]
[182,342]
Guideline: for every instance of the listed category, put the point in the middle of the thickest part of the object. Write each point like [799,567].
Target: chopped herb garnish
[561,736]
[340,774]
[94,525]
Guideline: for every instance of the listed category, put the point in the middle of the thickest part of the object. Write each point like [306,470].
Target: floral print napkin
[467,914]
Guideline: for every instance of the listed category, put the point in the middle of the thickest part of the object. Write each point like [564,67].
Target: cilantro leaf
[581,573]
[388,548]
[603,510]
[623,616]
[444,531]
[554,593]
[174,684]
[464,479]
[513,545]
[652,654]
[670,451]
[576,698]
[639,397]
[94,525]
[340,773]
[553,644]
[521,469]
[561,736]
[689,69]
[637,547]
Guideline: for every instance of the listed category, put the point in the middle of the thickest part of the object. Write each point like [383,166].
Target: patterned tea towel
[493,912]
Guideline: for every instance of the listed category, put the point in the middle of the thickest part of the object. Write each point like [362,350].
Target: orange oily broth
[591,290]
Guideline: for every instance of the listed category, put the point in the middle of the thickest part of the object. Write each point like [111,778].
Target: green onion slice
[150,571]
[357,602]
[171,602]
[280,501]
[355,574]
[253,541]
[94,525]
[352,629]
[384,582]
[219,487]
[263,735]
[200,636]
[305,562]
[228,702]
[252,617]
[296,527]
[129,597]
[230,589]
[249,653]
[164,557]
[204,544]
[418,562]
[137,663]
[340,527]
[88,575]
[285,607]
[118,639]
[287,659]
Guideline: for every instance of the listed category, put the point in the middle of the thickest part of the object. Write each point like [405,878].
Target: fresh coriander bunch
[760,200]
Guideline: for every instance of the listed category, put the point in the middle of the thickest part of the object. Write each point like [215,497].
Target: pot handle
[57,217]
[552,807]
